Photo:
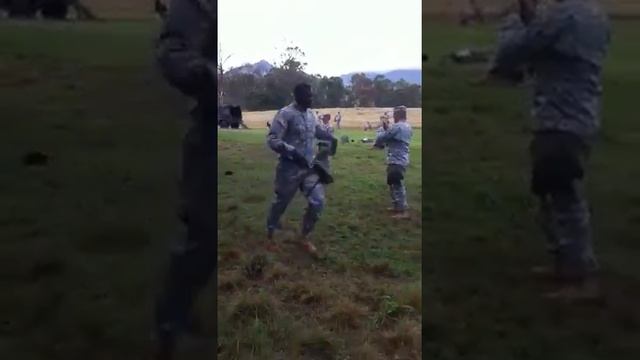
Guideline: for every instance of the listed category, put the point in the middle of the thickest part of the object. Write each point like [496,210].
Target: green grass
[83,238]
[341,299]
[480,238]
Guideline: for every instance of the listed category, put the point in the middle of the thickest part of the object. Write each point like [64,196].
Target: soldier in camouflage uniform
[293,136]
[565,46]
[186,54]
[397,139]
[338,119]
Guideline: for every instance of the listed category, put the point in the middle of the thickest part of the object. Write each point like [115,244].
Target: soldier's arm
[520,46]
[276,134]
[323,134]
[384,136]
[327,135]
[178,51]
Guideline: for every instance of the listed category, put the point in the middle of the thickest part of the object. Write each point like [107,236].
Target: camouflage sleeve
[384,136]
[276,134]
[519,45]
[178,55]
[322,133]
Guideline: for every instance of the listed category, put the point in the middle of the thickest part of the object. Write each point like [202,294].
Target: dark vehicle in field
[230,116]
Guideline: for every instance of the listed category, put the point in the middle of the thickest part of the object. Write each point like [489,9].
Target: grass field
[480,238]
[352,118]
[84,235]
[363,300]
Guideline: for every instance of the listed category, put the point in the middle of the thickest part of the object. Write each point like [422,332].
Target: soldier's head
[399,113]
[302,95]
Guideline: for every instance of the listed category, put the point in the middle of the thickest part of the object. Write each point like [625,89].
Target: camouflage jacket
[565,45]
[397,140]
[327,127]
[294,131]
[186,49]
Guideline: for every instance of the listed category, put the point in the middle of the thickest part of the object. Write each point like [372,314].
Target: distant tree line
[273,91]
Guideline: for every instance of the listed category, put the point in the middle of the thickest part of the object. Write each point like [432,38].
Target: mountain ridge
[262,67]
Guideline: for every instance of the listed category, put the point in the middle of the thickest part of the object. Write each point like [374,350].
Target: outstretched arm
[384,136]
[520,46]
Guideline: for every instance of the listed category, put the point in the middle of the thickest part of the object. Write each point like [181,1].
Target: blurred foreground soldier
[397,139]
[565,46]
[293,136]
[186,54]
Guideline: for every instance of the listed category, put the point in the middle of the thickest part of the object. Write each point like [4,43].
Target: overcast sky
[337,36]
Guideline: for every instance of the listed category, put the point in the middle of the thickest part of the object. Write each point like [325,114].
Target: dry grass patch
[277,272]
[306,293]
[345,315]
[352,118]
[250,306]
[411,295]
[314,344]
[403,341]
[366,351]
[231,280]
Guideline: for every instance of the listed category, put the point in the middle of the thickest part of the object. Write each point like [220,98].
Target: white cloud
[338,36]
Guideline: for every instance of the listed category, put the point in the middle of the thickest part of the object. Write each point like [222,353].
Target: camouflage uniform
[566,47]
[293,136]
[186,54]
[324,148]
[397,140]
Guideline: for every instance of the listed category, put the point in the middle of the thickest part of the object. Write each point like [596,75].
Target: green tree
[363,90]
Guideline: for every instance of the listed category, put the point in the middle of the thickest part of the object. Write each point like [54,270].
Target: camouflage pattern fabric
[397,140]
[186,55]
[565,45]
[293,136]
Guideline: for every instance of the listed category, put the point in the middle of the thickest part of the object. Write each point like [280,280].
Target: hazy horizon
[251,31]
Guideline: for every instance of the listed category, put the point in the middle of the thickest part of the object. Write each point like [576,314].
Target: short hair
[300,88]
[400,110]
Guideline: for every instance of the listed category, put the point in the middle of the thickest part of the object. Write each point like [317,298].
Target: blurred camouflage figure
[397,139]
[186,54]
[326,124]
[293,136]
[324,146]
[565,46]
